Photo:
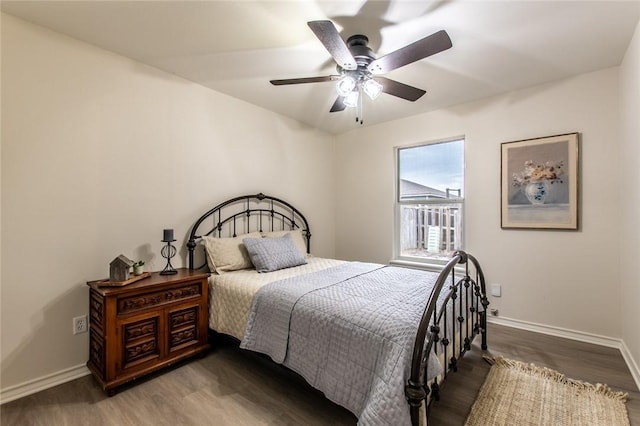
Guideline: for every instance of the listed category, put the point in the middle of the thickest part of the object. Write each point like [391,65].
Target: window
[430,200]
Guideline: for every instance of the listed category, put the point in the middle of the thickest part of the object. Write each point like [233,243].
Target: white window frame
[431,263]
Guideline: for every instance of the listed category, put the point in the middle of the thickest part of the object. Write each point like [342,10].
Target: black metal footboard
[455,314]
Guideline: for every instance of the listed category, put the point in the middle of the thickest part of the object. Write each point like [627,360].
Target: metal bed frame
[461,278]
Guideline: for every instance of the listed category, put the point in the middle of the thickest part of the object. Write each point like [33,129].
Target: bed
[378,340]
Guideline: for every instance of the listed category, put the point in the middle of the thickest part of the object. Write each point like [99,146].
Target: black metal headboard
[244,214]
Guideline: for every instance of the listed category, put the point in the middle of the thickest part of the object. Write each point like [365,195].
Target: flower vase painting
[540,183]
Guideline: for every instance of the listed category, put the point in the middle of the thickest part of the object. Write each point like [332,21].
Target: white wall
[566,279]
[630,195]
[99,155]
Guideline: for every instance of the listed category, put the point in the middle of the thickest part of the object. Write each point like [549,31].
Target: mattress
[231,294]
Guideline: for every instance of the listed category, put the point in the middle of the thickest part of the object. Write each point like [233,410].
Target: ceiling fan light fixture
[351,99]
[372,88]
[345,85]
[356,65]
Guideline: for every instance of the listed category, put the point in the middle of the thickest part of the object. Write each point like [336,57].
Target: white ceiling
[236,47]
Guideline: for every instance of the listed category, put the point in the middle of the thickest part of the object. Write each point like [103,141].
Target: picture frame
[539,183]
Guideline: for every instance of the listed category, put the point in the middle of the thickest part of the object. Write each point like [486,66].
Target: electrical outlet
[80,324]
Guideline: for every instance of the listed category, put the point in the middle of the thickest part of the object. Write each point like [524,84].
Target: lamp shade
[372,88]
[345,85]
[351,100]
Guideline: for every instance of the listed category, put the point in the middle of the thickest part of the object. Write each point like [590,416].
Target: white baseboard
[631,363]
[36,385]
[574,335]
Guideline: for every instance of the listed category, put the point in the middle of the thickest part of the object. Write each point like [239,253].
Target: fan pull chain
[359,112]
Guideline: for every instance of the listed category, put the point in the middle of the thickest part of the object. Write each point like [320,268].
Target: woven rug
[519,394]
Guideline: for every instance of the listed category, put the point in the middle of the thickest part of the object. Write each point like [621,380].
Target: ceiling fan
[360,71]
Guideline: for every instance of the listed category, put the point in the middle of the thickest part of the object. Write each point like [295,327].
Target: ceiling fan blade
[330,38]
[430,45]
[338,105]
[401,90]
[305,80]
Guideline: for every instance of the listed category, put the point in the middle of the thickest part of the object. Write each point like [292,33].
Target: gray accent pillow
[296,234]
[272,254]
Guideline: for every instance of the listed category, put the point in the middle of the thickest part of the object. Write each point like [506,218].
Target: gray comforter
[349,331]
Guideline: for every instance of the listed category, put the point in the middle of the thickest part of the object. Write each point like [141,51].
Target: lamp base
[168,252]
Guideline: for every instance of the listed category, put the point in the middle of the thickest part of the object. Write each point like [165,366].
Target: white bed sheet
[231,294]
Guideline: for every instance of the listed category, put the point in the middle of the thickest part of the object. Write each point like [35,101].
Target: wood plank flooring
[577,360]
[234,387]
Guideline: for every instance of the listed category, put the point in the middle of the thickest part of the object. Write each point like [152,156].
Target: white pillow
[228,254]
[272,254]
[298,239]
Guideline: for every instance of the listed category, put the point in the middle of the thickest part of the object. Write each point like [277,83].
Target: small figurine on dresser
[120,272]
[119,268]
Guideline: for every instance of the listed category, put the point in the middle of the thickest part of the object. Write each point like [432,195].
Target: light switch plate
[496,290]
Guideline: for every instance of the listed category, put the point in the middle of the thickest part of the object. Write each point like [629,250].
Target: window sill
[427,265]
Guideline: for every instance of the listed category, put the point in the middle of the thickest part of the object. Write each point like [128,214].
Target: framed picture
[539,183]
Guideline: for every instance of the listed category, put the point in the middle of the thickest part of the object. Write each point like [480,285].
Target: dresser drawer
[128,305]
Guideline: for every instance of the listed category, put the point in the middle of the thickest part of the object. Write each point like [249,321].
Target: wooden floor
[577,360]
[233,387]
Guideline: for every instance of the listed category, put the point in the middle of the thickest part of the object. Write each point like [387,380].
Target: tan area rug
[519,394]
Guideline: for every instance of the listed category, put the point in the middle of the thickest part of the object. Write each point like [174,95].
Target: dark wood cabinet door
[183,326]
[140,341]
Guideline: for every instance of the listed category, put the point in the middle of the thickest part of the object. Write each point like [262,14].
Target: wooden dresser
[144,326]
